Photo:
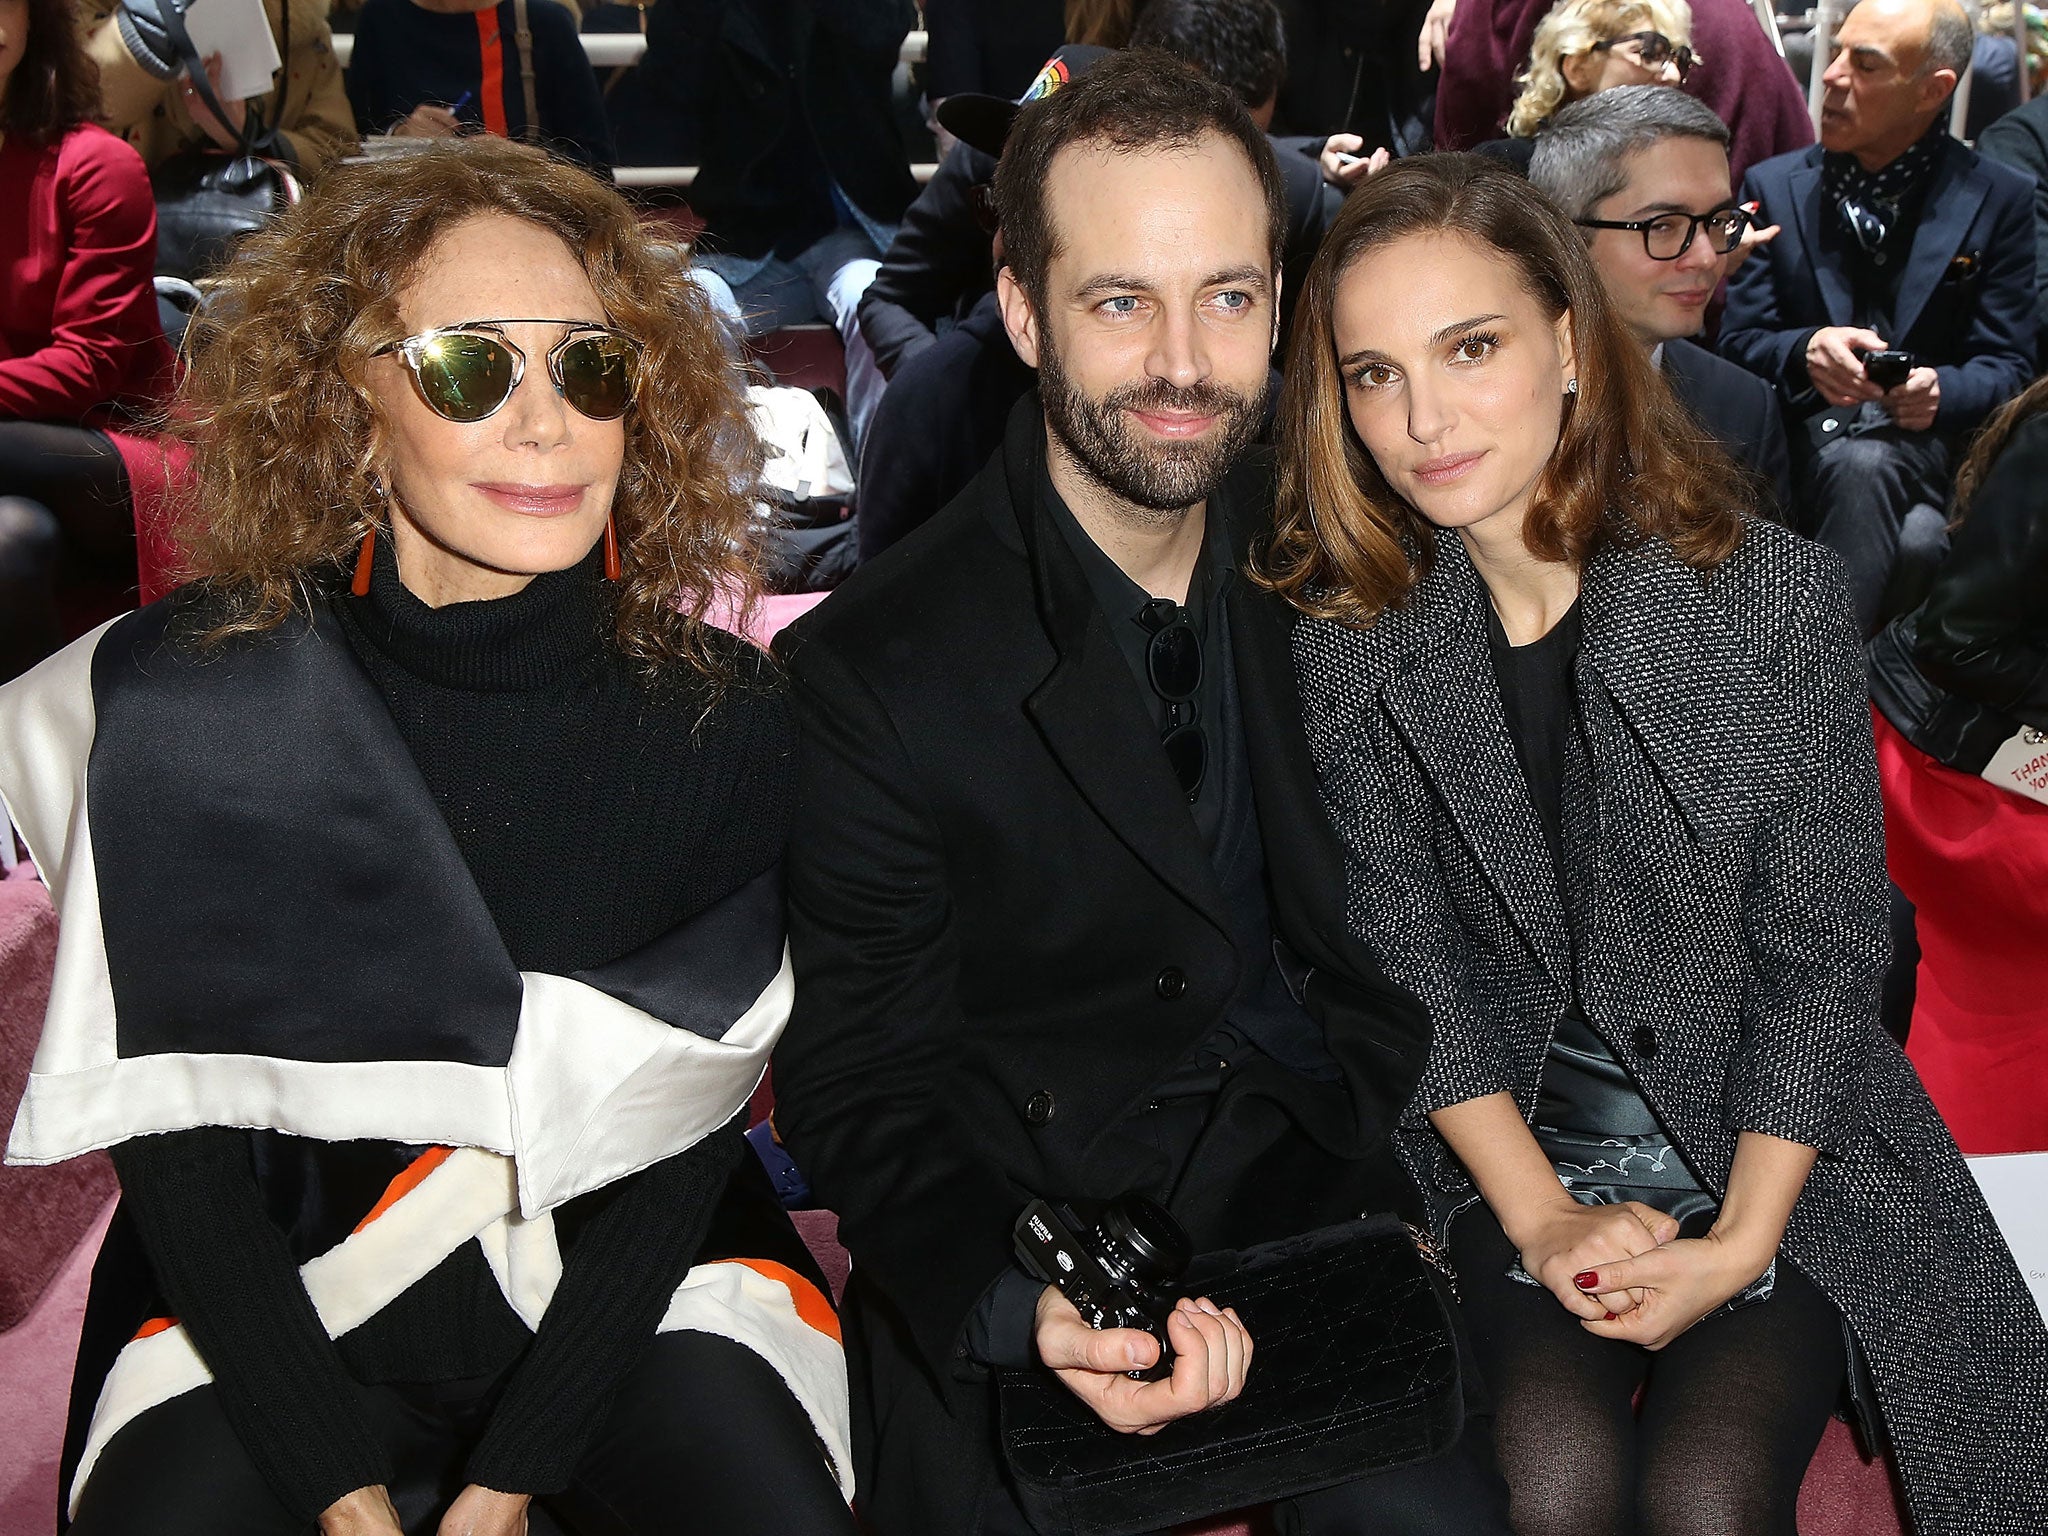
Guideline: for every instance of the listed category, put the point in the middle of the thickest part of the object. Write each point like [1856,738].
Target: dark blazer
[1739,411]
[1724,841]
[1969,666]
[724,81]
[1006,929]
[2020,139]
[1966,304]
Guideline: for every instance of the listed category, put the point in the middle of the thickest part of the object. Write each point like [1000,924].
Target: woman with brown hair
[82,353]
[1597,745]
[419,865]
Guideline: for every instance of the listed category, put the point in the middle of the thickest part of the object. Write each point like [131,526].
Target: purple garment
[1741,77]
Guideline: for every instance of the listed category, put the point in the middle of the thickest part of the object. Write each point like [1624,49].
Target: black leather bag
[205,202]
[1355,1371]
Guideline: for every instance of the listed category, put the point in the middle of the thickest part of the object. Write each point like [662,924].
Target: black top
[407,57]
[1585,1093]
[594,814]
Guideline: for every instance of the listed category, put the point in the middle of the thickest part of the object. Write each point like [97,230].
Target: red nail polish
[1611,1317]
[1586,1279]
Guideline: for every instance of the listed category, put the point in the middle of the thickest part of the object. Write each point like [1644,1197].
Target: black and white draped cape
[265,923]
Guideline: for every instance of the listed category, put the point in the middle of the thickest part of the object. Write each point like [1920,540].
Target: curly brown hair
[56,85]
[1630,464]
[287,439]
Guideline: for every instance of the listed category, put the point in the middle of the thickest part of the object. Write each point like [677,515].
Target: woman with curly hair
[82,353]
[418,864]
[1598,745]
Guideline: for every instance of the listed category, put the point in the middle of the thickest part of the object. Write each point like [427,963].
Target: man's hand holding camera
[1212,1352]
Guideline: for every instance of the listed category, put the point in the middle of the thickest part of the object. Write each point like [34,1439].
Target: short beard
[1163,479]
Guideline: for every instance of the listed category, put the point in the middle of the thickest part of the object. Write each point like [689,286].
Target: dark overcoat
[1006,930]
[1724,847]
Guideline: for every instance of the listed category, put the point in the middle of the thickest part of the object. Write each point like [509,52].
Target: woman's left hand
[1674,1286]
[481,1511]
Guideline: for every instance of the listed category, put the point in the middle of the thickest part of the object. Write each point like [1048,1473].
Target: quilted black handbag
[208,199]
[1355,1372]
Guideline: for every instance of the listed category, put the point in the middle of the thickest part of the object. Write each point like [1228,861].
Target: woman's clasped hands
[1624,1271]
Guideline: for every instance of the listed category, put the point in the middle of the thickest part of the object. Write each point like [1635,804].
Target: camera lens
[1137,1236]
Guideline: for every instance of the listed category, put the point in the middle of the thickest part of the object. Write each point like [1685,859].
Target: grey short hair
[1950,39]
[1582,156]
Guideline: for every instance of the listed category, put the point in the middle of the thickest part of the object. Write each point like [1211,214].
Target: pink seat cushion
[43,1211]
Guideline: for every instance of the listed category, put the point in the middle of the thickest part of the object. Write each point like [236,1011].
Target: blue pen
[460,102]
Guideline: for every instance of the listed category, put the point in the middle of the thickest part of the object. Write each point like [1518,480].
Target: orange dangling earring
[361,585]
[612,567]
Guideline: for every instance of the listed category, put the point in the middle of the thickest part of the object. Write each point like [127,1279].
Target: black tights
[63,498]
[703,1436]
[1731,1410]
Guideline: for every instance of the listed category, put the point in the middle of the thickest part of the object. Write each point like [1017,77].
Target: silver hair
[1582,157]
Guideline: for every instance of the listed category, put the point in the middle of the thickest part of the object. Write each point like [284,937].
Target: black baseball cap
[983,122]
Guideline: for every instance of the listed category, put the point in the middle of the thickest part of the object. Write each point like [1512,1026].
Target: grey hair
[1582,157]
[1950,39]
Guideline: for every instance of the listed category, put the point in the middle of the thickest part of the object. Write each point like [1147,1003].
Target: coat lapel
[1809,201]
[1089,709]
[1682,685]
[1446,703]
[1952,203]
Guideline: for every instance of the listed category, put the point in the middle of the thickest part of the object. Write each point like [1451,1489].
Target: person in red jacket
[82,352]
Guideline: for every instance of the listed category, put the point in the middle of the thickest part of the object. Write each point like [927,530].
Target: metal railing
[617,50]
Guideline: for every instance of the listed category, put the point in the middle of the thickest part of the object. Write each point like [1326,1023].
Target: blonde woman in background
[1584,47]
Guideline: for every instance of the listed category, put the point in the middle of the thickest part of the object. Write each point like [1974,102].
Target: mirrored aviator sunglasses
[466,373]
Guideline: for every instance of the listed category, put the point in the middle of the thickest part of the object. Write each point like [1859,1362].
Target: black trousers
[1876,495]
[63,500]
[1730,1415]
[703,1437]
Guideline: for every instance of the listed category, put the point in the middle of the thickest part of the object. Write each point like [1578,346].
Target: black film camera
[1118,1273]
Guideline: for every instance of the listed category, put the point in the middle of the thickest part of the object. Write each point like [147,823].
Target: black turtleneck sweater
[595,811]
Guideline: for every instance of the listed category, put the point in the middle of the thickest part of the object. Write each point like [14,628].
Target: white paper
[2021,764]
[2015,1186]
[239,32]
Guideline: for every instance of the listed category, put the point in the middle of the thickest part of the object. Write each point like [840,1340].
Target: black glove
[149,38]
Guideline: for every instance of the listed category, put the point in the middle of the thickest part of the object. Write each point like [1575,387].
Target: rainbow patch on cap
[1051,78]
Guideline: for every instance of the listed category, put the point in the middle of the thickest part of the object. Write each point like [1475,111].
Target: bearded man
[1065,915]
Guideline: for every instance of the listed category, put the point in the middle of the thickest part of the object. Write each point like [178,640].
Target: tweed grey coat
[1726,934]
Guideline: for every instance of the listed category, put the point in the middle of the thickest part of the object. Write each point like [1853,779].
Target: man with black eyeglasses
[1643,170]
[1895,310]
[1066,918]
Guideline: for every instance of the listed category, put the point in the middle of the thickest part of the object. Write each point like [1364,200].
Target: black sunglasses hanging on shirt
[1173,662]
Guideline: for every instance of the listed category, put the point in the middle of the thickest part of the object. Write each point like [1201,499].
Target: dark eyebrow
[1124,282]
[1367,354]
[1651,210]
[1868,51]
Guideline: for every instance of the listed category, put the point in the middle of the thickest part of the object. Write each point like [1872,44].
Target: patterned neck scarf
[1868,202]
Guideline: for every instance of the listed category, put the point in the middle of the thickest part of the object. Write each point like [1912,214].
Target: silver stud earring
[1571,386]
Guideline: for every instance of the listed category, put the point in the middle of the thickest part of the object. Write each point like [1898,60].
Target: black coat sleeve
[941,256]
[863,1097]
[2017,140]
[223,1266]
[1982,633]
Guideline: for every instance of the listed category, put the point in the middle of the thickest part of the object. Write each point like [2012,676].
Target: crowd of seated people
[1162,324]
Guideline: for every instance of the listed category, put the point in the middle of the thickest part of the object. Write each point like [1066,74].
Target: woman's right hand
[366,1512]
[1561,1239]
[427,121]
